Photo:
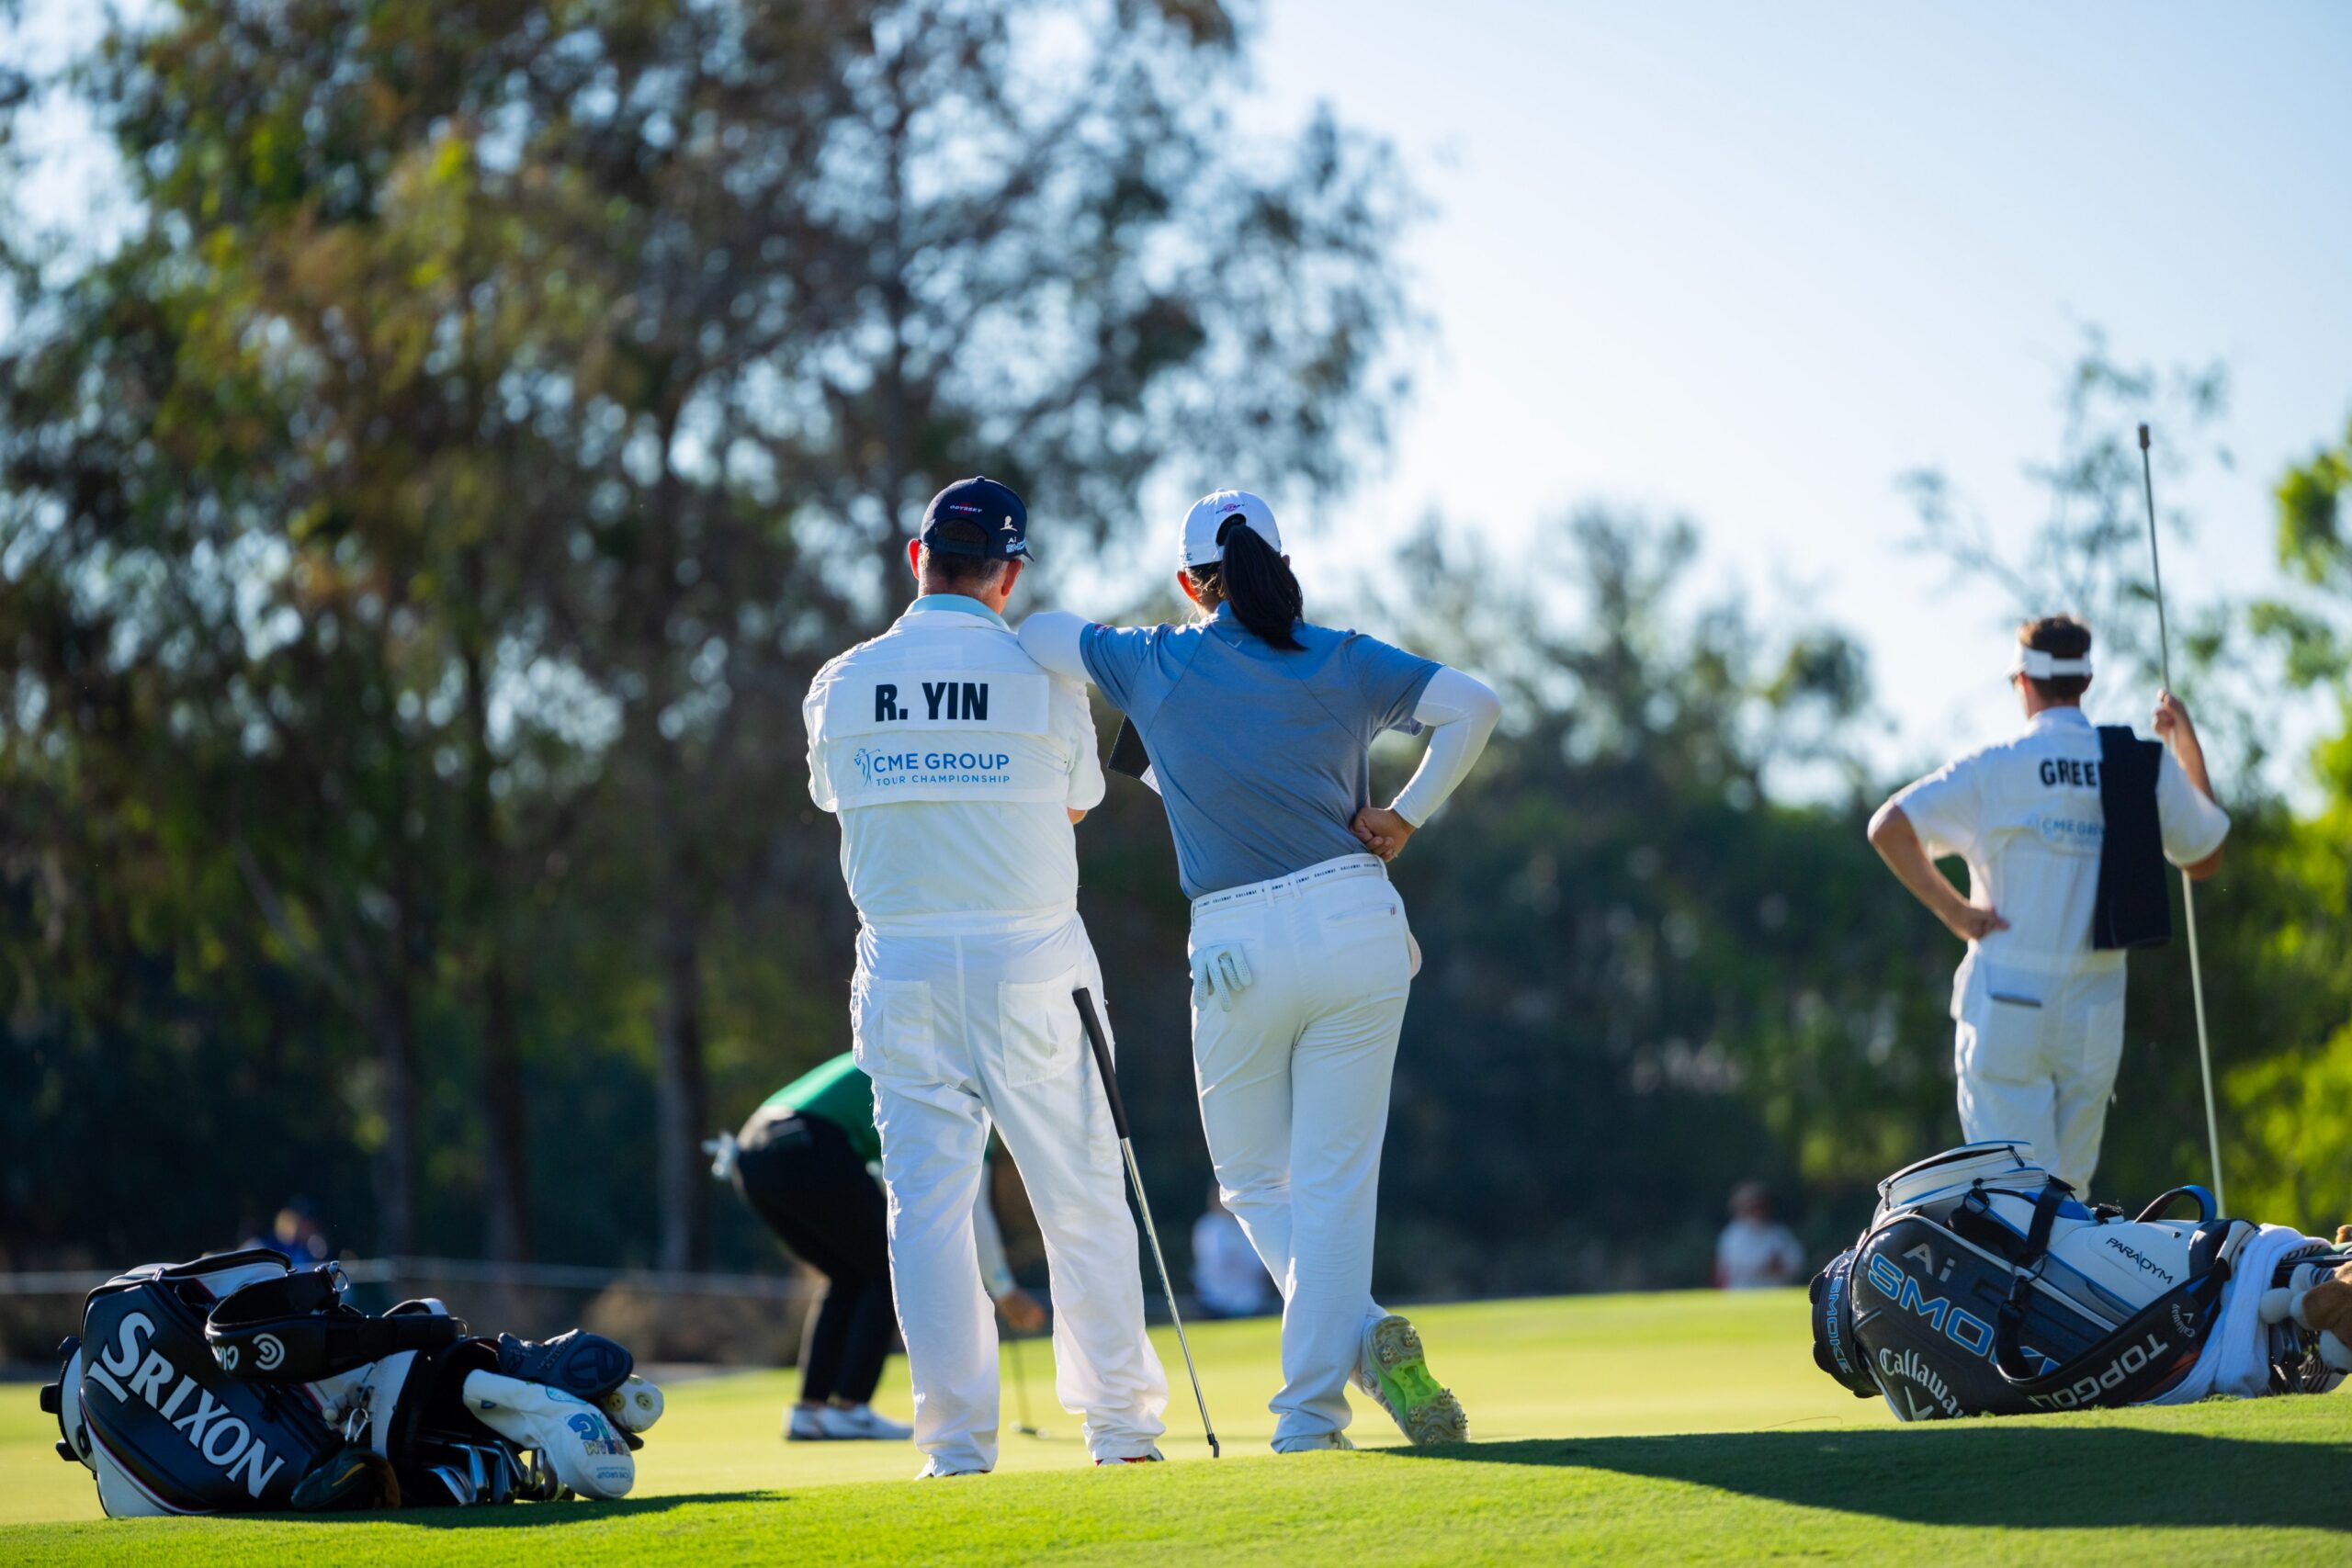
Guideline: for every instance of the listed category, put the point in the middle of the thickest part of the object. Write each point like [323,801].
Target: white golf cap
[1204,523]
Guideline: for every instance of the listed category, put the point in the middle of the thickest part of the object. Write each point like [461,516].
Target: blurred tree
[2288,1101]
[539,390]
[2088,554]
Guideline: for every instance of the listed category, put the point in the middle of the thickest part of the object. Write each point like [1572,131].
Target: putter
[1094,1037]
[2187,887]
[1020,1388]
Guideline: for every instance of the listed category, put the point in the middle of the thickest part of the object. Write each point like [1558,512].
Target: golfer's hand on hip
[1382,830]
[1972,922]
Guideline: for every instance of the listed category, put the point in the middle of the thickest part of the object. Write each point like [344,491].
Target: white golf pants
[2036,1056]
[1294,1083]
[964,1020]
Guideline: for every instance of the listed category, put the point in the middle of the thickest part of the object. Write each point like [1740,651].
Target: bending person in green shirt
[801,1163]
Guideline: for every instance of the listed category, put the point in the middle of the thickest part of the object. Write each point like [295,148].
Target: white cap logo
[1201,546]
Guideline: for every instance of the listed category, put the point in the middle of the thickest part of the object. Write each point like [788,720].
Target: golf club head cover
[579,1363]
[2325,1307]
[351,1480]
[574,1437]
[635,1405]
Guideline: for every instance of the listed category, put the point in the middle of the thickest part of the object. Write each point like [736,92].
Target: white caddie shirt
[2025,814]
[950,758]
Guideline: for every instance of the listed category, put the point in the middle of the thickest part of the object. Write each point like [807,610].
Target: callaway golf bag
[1984,1286]
[237,1384]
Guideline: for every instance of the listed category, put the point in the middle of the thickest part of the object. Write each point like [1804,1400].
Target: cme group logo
[889,769]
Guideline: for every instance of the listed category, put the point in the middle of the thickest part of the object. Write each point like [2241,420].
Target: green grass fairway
[1609,1428]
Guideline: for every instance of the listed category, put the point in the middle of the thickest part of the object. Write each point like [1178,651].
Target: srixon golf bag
[1983,1287]
[236,1384]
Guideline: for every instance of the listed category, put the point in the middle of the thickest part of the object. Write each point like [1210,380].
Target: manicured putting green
[1607,1428]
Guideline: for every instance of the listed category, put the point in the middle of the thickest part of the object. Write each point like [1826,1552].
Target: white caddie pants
[1294,1086]
[964,1020]
[2036,1055]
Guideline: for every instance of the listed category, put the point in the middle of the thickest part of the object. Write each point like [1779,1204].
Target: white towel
[2235,1361]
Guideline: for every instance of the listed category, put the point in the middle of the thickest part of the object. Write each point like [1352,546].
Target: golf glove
[722,1151]
[1219,972]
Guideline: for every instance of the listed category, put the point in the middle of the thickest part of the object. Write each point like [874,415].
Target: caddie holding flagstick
[2066,828]
[956,766]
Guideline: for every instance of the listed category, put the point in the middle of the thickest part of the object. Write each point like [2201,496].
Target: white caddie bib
[937,716]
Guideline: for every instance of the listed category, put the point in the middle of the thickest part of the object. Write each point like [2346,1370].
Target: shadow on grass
[2006,1474]
[534,1515]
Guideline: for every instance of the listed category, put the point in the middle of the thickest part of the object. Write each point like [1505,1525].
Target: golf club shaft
[2188,885]
[1093,1023]
[1027,1429]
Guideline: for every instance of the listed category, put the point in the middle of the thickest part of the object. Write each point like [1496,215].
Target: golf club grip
[1093,1023]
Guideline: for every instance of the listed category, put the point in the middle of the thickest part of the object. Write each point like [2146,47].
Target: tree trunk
[682,1103]
[395,1031]
[506,1176]
[506,1173]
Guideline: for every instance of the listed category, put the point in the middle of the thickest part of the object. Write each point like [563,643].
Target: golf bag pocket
[1037,1028]
[167,1428]
[894,1032]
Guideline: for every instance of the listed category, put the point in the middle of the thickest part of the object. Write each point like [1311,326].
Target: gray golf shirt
[1262,754]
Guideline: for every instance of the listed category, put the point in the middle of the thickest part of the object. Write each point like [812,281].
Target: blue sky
[1752,262]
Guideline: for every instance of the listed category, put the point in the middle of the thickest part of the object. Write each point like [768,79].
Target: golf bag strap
[2132,1364]
[2025,1260]
[1974,1222]
[298,1329]
[2156,1209]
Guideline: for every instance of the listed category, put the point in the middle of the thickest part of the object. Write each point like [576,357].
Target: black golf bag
[1984,1286]
[236,1384]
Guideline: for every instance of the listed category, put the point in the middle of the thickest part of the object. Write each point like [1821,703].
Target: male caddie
[2066,828]
[957,767]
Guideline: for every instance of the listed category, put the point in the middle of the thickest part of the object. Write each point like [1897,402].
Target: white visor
[1201,545]
[2035,664]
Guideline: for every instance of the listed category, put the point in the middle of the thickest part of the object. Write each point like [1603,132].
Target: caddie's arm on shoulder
[1116,660]
[2194,825]
[1073,719]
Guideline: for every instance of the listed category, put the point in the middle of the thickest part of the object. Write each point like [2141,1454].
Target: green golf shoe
[1396,1372]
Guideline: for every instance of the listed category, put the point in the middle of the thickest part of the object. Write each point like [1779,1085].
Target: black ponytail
[1257,582]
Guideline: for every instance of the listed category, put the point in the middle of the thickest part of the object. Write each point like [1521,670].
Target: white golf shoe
[1320,1442]
[830,1423]
[1394,1371]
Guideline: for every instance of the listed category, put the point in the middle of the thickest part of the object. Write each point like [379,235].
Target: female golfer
[1258,727]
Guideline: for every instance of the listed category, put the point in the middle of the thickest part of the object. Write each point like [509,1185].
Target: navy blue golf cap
[992,507]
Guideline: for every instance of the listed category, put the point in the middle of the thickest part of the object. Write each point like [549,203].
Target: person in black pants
[801,1163]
